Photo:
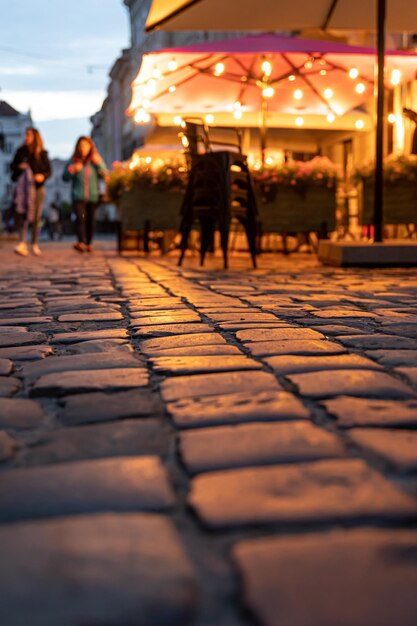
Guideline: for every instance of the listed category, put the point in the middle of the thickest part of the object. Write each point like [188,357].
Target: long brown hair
[36,147]
[77,150]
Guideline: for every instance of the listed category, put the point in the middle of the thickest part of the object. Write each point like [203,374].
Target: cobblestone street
[206,447]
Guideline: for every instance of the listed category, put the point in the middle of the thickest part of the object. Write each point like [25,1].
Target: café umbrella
[377,15]
[236,80]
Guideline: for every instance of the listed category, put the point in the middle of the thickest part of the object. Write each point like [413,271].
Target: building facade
[12,131]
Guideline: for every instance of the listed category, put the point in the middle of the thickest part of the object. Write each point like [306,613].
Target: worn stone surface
[117,484]
[235,408]
[100,345]
[397,447]
[318,492]
[394,358]
[289,364]
[307,347]
[168,330]
[94,380]
[378,573]
[126,569]
[8,446]
[410,373]
[89,335]
[155,346]
[216,384]
[248,445]
[8,340]
[9,386]
[218,350]
[200,364]
[278,333]
[55,364]
[26,353]
[102,407]
[110,316]
[351,412]
[129,437]
[378,341]
[20,414]
[6,367]
[363,383]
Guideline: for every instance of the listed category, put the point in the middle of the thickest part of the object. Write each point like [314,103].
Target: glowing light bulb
[141,117]
[299,121]
[185,142]
[353,73]
[331,117]
[178,120]
[237,114]
[395,77]
[298,94]
[172,65]
[268,92]
[172,89]
[267,68]
[157,73]
[209,118]
[308,65]
[328,93]
[219,69]
[392,118]
[359,124]
[269,160]
[148,160]
[323,72]
[291,78]
[360,88]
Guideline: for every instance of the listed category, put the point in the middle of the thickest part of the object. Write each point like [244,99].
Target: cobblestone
[152,479]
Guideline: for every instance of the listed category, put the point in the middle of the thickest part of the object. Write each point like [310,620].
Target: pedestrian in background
[30,170]
[85,170]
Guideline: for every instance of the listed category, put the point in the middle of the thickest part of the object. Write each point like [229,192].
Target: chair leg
[207,228]
[146,236]
[185,230]
[224,239]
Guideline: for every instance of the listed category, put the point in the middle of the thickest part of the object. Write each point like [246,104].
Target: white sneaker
[22,249]
[36,250]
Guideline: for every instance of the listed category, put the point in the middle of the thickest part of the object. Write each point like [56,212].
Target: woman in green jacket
[84,171]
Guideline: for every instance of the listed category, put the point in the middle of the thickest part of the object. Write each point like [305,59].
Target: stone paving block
[9,386]
[404,330]
[361,383]
[167,330]
[129,437]
[363,577]
[278,333]
[217,384]
[397,447]
[410,373]
[306,347]
[12,329]
[25,321]
[20,414]
[8,446]
[235,408]
[6,367]
[197,351]
[154,346]
[243,316]
[320,492]
[101,407]
[378,341]
[239,326]
[79,362]
[185,311]
[102,569]
[8,340]
[90,335]
[183,365]
[116,484]
[100,345]
[91,317]
[26,353]
[289,364]
[246,445]
[338,329]
[63,383]
[351,412]
[394,358]
[343,313]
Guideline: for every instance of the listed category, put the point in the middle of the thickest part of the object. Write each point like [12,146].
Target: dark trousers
[86,217]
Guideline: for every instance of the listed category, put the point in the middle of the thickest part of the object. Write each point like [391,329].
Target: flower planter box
[291,211]
[400,203]
[143,210]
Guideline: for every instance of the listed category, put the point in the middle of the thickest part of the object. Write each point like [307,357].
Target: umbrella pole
[264,129]
[379,148]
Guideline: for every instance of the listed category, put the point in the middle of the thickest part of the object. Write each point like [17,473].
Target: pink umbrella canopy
[294,76]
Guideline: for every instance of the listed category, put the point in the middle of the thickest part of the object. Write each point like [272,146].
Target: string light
[328,93]
[178,120]
[172,89]
[172,65]
[359,124]
[353,73]
[331,117]
[219,69]
[298,94]
[269,160]
[268,92]
[267,68]
[291,78]
[308,65]
[209,118]
[323,72]
[299,121]
[392,118]
[237,114]
[157,73]
[360,88]
[395,77]
[141,117]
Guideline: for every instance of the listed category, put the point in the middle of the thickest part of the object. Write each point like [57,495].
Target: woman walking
[84,171]
[30,169]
